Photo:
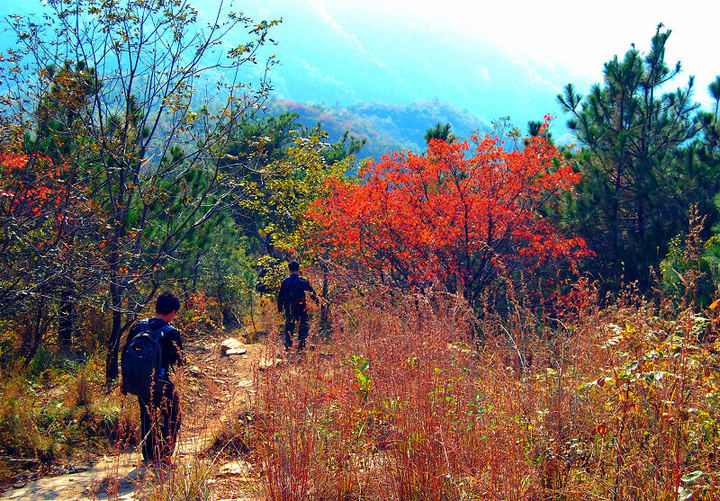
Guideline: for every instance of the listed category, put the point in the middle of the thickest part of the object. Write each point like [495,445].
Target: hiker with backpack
[152,348]
[291,300]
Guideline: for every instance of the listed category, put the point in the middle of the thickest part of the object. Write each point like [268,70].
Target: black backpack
[142,361]
[295,294]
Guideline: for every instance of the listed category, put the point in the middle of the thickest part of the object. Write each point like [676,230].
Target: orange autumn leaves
[37,194]
[457,215]
[35,184]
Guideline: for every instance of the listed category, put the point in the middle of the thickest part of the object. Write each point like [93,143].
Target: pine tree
[439,131]
[714,89]
[628,205]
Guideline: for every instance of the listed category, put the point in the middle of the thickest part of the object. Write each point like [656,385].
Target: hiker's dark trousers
[303,328]
[160,422]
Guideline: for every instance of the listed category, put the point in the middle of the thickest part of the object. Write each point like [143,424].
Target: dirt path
[213,388]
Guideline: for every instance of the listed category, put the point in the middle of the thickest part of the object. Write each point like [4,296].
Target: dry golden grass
[403,403]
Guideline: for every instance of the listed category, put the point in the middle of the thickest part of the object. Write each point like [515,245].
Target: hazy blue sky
[492,58]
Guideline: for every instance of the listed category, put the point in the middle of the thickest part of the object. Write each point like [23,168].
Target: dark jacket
[291,297]
[171,343]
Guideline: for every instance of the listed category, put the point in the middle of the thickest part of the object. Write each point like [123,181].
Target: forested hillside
[497,315]
[386,127]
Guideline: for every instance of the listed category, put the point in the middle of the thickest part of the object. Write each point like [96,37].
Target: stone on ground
[232,346]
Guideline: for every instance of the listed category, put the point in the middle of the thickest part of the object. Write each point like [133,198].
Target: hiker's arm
[313,296]
[182,359]
[281,298]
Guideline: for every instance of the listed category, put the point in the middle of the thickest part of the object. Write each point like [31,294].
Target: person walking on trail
[291,300]
[159,403]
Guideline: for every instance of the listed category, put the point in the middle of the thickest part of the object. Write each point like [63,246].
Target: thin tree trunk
[34,336]
[111,361]
[66,321]
[325,305]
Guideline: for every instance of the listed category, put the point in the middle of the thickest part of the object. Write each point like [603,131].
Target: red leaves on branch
[37,193]
[458,215]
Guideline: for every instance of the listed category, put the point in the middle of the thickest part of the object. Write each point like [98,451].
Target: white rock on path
[268,363]
[236,468]
[232,346]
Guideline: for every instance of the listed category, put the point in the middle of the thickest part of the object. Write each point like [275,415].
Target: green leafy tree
[284,190]
[281,164]
[260,141]
[347,146]
[255,147]
[281,195]
[698,177]
[283,167]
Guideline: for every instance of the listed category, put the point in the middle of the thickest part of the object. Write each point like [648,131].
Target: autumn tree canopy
[458,215]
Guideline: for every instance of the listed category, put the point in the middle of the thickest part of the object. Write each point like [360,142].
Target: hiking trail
[216,384]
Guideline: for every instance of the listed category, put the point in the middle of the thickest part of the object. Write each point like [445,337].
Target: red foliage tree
[454,216]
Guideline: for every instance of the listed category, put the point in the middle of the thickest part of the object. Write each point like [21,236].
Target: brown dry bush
[400,406]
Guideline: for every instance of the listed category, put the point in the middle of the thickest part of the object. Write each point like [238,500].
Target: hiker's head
[166,305]
[294,267]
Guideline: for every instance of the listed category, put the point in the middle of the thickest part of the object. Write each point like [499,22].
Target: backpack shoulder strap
[165,329]
[143,325]
[137,330]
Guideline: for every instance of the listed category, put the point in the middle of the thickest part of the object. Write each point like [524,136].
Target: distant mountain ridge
[387,127]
